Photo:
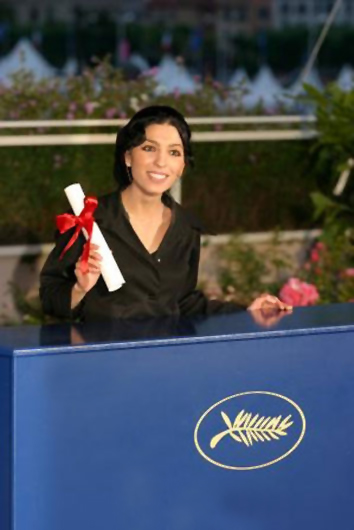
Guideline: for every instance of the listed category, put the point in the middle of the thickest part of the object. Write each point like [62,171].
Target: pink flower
[90,107]
[348,273]
[298,293]
[314,257]
[320,246]
[110,113]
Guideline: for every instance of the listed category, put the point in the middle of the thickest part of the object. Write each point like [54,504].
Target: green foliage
[334,151]
[330,267]
[247,273]
[251,186]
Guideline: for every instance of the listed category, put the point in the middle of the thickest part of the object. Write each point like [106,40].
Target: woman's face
[157,163]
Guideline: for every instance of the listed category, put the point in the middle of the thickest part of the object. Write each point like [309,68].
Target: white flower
[134,103]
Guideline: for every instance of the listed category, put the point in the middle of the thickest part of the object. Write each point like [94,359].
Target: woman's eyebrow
[157,143]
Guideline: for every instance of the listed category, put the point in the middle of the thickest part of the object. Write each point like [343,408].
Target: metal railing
[304,130]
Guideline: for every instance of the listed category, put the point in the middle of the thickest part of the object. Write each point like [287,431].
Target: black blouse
[158,284]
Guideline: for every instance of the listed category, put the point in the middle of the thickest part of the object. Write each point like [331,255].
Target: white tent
[139,62]
[172,76]
[25,56]
[345,79]
[240,77]
[71,67]
[312,79]
[265,89]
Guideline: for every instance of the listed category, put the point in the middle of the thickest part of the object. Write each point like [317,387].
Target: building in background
[310,12]
[27,11]
[247,16]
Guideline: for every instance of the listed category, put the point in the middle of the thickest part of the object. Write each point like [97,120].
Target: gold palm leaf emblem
[249,428]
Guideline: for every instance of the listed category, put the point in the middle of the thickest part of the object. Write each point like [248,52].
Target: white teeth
[158,176]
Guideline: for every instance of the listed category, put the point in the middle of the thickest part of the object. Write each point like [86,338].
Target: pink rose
[298,293]
[348,272]
[314,257]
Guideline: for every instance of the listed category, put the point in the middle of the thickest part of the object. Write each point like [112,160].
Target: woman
[154,240]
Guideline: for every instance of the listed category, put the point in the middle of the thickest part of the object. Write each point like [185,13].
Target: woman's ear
[127,159]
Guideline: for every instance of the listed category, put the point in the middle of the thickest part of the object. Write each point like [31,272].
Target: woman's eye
[148,148]
[174,152]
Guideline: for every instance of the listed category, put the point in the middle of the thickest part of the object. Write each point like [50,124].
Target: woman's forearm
[77,295]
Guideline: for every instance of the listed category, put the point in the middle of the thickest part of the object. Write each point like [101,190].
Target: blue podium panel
[221,425]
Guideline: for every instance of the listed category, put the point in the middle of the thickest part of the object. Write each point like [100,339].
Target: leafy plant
[330,267]
[335,152]
[246,272]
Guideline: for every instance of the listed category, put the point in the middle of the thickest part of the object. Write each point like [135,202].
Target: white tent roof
[265,89]
[25,56]
[139,62]
[70,67]
[312,78]
[173,76]
[345,79]
[240,76]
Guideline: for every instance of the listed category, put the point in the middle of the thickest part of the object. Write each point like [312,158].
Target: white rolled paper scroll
[110,270]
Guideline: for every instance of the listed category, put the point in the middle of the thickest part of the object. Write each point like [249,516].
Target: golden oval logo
[250,430]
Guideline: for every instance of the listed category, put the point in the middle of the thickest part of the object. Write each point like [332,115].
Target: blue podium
[211,424]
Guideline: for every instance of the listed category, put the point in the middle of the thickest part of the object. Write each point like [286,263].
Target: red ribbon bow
[84,220]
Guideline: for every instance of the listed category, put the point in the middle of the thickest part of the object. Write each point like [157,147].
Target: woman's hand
[268,301]
[85,282]
[267,310]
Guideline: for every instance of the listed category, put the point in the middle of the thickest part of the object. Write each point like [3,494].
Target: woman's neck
[140,205]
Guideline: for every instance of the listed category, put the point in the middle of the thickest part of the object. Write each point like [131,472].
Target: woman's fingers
[94,265]
[273,301]
[268,301]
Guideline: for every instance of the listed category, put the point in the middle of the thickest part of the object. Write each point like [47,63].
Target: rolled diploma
[110,270]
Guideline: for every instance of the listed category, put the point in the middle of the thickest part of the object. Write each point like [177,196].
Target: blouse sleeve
[194,301]
[57,278]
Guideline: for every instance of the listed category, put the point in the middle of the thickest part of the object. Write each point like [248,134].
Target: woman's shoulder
[108,205]
[108,200]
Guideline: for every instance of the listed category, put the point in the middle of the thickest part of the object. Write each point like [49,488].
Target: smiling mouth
[157,176]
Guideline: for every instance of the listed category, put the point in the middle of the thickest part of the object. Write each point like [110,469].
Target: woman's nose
[161,158]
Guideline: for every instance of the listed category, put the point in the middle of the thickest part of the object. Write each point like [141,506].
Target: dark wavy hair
[133,134]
